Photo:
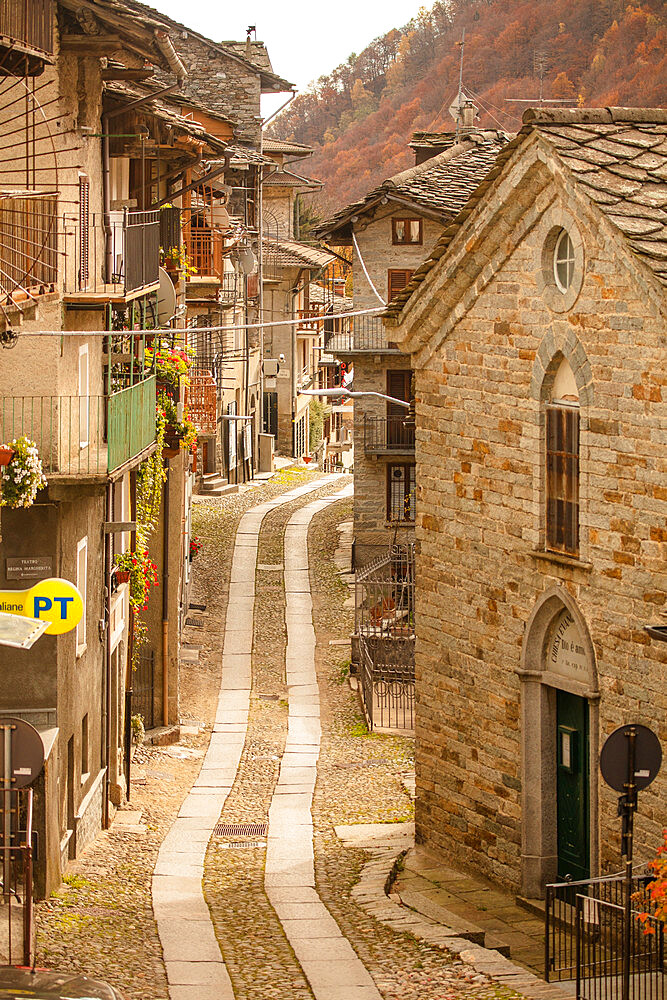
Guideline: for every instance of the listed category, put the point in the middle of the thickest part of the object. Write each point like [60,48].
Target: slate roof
[440,185]
[290,253]
[285,178]
[618,159]
[270,145]
[432,140]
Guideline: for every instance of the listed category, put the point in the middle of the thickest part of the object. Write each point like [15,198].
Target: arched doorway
[559,713]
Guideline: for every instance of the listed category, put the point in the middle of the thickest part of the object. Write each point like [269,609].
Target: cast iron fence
[583,938]
[362,334]
[385,624]
[600,938]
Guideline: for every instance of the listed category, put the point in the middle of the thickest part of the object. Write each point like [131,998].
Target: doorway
[572,787]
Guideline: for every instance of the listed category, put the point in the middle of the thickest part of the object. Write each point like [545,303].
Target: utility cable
[368,277]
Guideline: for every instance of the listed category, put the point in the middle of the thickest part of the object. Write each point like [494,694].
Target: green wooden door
[572,791]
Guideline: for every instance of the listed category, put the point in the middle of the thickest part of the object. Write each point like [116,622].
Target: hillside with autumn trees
[360,116]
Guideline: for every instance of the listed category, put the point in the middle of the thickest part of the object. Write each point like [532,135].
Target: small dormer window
[406,231]
[563,261]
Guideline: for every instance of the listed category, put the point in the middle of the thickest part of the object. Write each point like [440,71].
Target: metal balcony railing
[204,249]
[389,436]
[365,334]
[27,24]
[135,253]
[201,401]
[28,244]
[83,435]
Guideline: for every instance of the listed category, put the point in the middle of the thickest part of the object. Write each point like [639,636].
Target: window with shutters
[406,231]
[562,478]
[400,493]
[84,233]
[396,281]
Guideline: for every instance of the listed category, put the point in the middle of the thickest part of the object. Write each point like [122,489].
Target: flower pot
[307,458]
[122,575]
[6,454]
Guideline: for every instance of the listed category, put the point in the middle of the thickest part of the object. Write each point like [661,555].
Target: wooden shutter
[562,479]
[84,232]
[396,281]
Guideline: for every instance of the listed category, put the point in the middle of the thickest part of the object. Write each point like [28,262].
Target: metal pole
[27,887]
[630,805]
[7,815]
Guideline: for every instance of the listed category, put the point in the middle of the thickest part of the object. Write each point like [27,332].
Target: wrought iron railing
[28,24]
[230,288]
[388,435]
[201,401]
[388,681]
[363,334]
[133,253]
[385,594]
[28,244]
[83,435]
[601,954]
[560,938]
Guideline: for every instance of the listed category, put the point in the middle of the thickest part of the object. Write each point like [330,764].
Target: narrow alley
[226,864]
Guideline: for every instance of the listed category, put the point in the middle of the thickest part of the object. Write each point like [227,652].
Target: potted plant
[6,454]
[124,563]
[22,476]
[195,546]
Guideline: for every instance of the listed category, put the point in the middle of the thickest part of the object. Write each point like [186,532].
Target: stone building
[537,334]
[392,230]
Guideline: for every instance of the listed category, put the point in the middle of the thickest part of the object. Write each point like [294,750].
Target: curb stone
[373,894]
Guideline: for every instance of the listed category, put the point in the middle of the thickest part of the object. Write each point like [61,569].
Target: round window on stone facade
[564,261]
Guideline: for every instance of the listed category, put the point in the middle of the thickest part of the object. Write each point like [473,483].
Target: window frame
[410,470]
[569,261]
[407,242]
[562,480]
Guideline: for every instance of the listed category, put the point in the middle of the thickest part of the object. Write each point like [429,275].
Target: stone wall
[482,566]
[374,239]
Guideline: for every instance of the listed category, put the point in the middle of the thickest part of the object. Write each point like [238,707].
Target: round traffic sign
[27,752]
[615,759]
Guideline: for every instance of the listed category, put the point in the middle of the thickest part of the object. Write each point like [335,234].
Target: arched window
[562,464]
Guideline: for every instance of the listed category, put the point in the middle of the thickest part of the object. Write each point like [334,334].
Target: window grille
[84,233]
[401,493]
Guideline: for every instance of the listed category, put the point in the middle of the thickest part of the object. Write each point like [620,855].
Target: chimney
[248,43]
[469,115]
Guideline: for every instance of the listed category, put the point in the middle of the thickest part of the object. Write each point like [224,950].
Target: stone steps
[213,484]
[459,926]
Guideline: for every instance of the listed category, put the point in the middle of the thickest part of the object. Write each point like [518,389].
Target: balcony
[201,401]
[389,436]
[365,335]
[134,256]
[310,320]
[28,245]
[26,27]
[84,435]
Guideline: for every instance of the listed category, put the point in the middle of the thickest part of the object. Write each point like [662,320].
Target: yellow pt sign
[53,600]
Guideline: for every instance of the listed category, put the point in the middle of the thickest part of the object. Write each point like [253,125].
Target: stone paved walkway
[194,965]
[329,962]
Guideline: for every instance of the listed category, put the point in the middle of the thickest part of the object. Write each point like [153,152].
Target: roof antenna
[540,66]
[462,109]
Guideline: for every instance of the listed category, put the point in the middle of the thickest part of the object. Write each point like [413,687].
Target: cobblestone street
[285,926]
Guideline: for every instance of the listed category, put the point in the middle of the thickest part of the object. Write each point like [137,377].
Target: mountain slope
[360,116]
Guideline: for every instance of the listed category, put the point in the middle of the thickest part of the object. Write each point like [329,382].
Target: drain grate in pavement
[241,829]
[235,845]
[269,697]
[196,607]
[195,622]
[375,762]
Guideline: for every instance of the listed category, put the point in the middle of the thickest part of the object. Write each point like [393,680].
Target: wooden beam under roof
[90,43]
